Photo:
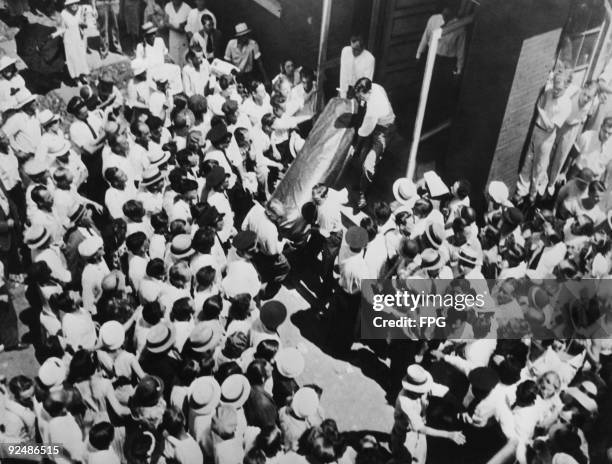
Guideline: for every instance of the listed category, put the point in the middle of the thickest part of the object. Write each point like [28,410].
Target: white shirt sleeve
[346,58]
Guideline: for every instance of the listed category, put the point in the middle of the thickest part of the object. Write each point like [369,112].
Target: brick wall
[492,108]
[532,70]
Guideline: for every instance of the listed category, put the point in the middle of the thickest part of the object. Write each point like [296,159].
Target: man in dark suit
[213,48]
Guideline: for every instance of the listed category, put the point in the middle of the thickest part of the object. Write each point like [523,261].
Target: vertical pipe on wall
[418,124]
[325,20]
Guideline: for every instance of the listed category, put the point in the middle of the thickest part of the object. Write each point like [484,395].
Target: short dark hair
[203,240]
[181,309]
[206,276]
[152,312]
[370,226]
[156,268]
[363,85]
[206,17]
[101,435]
[133,210]
[307,73]
[173,421]
[211,308]
[134,241]
[382,212]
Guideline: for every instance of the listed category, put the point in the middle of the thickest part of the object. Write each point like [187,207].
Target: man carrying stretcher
[373,133]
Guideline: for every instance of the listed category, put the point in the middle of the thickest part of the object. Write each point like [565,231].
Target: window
[586,27]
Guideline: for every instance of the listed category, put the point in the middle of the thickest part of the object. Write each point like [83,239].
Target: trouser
[533,178]
[344,316]
[95,187]
[371,156]
[108,26]
[566,136]
[329,247]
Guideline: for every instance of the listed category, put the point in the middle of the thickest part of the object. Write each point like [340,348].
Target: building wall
[296,33]
[493,114]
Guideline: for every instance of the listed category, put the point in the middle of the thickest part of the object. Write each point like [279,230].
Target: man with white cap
[51,132]
[243,52]
[408,440]
[405,194]
[138,88]
[151,190]
[38,239]
[23,128]
[11,82]
[160,100]
[39,176]
[80,227]
[61,155]
[92,251]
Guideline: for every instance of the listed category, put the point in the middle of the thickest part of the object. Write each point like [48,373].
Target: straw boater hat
[90,246]
[235,390]
[52,372]
[58,147]
[6,61]
[417,379]
[289,362]
[404,190]
[468,256]
[305,403]
[46,118]
[112,335]
[138,66]
[204,395]
[34,167]
[160,158]
[241,29]
[76,212]
[149,28]
[36,236]
[151,176]
[71,2]
[498,191]
[22,98]
[181,246]
[430,260]
[204,337]
[160,338]
[435,234]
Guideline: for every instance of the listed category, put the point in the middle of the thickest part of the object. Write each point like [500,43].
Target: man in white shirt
[92,251]
[194,19]
[269,260]
[553,109]
[196,73]
[347,296]
[355,62]
[375,130]
[23,127]
[594,150]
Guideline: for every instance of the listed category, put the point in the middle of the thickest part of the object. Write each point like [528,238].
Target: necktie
[209,44]
[93,132]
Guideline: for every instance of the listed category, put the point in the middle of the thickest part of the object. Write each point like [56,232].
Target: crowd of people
[153,253]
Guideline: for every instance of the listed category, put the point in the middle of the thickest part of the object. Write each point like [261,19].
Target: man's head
[243,138]
[363,89]
[267,120]
[208,23]
[200,4]
[142,133]
[63,178]
[606,129]
[288,68]
[279,104]
[319,194]
[42,197]
[596,189]
[357,45]
[116,178]
[275,210]
[307,78]
[117,138]
[560,82]
[587,93]
[9,72]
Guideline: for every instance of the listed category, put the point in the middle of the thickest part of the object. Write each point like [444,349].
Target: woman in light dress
[176,19]
[74,41]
